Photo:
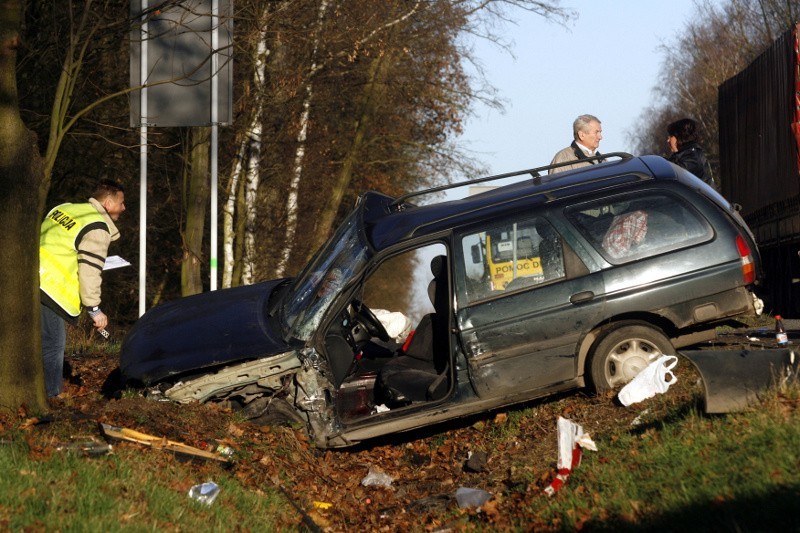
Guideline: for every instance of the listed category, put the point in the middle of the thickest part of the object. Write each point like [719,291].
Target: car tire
[273,412]
[624,352]
[113,385]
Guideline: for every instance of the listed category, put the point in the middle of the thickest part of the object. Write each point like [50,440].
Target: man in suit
[587,132]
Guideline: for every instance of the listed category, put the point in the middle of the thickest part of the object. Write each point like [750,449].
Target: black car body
[549,284]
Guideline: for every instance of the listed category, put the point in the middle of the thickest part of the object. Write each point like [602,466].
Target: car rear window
[628,228]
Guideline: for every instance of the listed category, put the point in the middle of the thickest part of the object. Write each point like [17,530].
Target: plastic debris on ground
[322,505]
[638,420]
[654,379]
[467,497]
[436,503]
[571,442]
[89,448]
[204,492]
[218,447]
[376,477]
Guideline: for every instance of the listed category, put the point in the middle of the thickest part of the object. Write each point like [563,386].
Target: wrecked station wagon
[556,282]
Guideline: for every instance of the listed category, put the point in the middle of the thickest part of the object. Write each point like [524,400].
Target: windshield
[323,279]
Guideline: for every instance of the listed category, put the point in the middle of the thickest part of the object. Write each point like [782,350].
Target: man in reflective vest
[73,245]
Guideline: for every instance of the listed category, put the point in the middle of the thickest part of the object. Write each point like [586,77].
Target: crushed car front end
[253,346]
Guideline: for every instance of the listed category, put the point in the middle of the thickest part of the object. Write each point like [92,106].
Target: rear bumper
[736,379]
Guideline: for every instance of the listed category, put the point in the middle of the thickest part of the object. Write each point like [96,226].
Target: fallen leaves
[510,457]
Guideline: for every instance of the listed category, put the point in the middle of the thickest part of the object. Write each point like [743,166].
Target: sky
[604,63]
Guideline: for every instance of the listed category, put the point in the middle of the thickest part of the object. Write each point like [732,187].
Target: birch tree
[346,40]
[297,167]
[244,178]
[397,140]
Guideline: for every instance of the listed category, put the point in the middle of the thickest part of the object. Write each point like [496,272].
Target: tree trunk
[21,178]
[297,168]
[196,201]
[228,212]
[369,98]
[239,230]
[251,212]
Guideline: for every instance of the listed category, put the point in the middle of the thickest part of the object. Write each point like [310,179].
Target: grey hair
[581,123]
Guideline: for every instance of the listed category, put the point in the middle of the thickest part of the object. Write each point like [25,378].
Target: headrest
[438,265]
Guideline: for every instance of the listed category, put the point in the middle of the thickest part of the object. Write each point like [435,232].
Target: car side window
[402,283]
[633,227]
[511,255]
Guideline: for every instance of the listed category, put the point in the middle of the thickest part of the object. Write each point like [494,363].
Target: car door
[520,331]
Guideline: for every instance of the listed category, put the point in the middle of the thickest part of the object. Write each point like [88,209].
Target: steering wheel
[365,317]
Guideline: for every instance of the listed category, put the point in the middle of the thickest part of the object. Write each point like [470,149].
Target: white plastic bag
[205,492]
[656,378]
[378,477]
[467,497]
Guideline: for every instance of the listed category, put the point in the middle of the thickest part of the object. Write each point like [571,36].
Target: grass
[49,484]
[122,491]
[676,470]
[681,472]
[690,473]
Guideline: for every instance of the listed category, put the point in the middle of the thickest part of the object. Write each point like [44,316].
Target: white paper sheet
[115,261]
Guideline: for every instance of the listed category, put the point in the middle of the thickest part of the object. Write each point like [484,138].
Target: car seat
[420,372]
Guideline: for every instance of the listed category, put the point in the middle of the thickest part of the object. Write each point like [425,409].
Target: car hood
[188,335]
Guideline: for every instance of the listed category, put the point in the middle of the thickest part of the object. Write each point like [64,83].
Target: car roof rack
[534,173]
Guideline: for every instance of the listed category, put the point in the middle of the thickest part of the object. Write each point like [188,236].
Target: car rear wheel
[624,352]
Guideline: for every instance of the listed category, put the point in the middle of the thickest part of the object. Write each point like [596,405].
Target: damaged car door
[524,299]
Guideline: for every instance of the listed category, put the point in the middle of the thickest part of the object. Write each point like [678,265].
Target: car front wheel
[272,412]
[624,352]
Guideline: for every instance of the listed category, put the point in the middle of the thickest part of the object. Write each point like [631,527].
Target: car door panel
[529,339]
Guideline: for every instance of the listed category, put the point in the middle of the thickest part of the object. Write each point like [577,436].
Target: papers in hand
[115,261]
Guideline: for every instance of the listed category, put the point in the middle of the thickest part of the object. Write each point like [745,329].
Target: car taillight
[748,268]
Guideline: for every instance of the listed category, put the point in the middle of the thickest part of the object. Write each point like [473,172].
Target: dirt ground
[511,454]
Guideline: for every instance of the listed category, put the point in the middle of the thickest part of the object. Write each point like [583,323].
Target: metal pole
[143,162]
[214,139]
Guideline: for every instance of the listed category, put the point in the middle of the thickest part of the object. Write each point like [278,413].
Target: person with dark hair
[73,244]
[686,152]
[587,132]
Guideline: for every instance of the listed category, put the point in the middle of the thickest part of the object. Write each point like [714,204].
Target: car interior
[388,375]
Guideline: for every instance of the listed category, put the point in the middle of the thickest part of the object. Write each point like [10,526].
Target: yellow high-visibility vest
[62,230]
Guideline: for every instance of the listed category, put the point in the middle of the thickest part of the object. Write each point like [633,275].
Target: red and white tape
[571,441]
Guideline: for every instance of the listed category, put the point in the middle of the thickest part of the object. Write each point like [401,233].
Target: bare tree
[336,112]
[718,42]
[244,176]
[26,176]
